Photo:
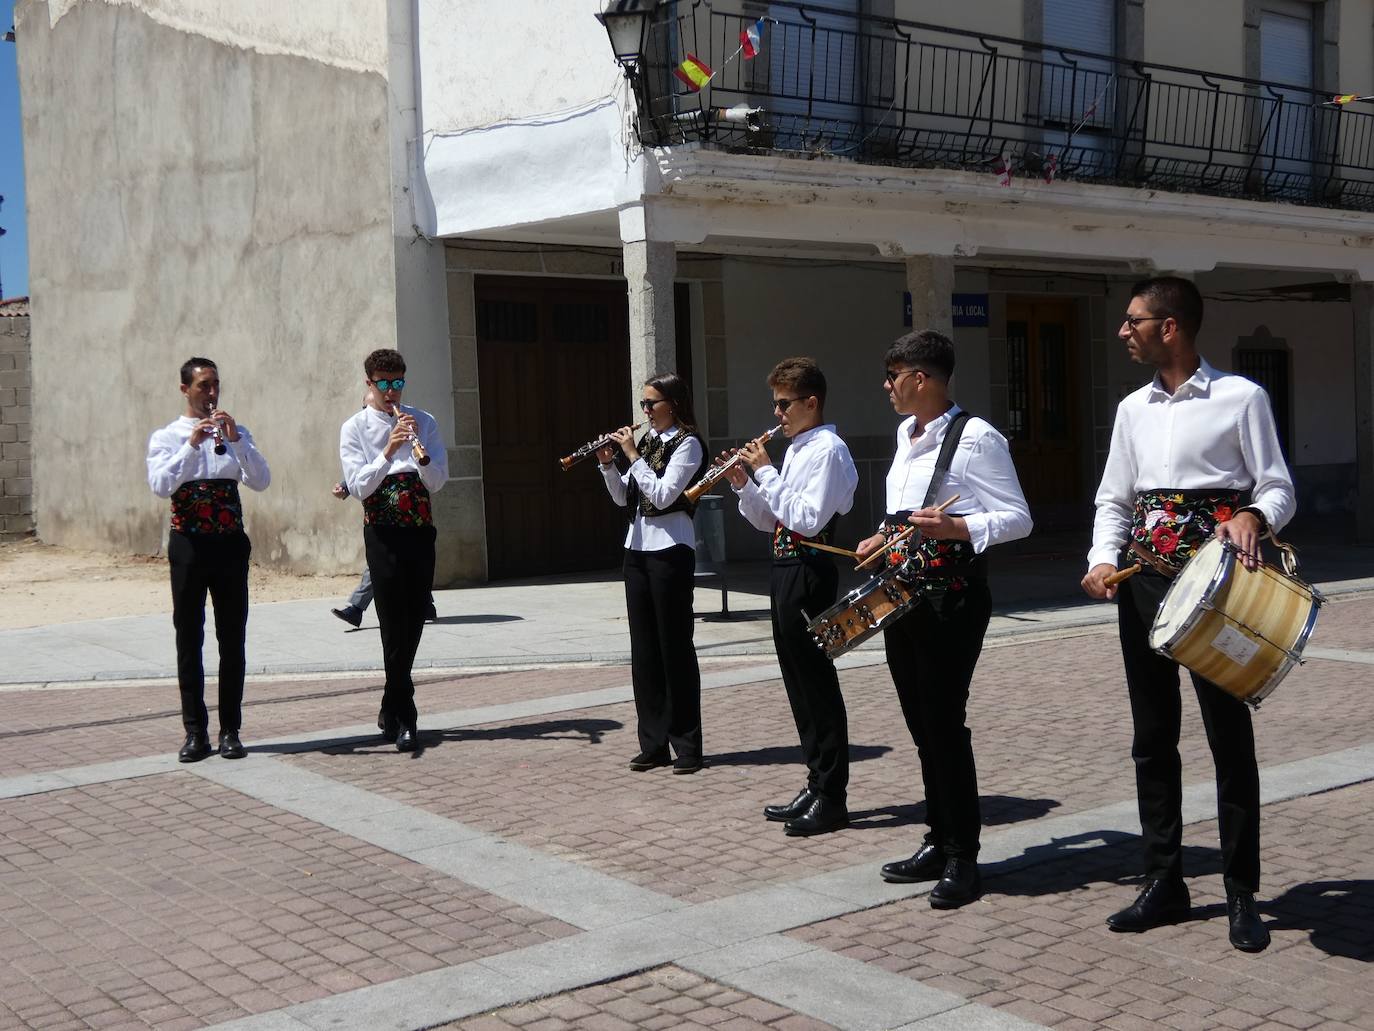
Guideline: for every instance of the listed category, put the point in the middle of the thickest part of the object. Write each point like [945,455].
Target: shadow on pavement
[997,810]
[1080,860]
[1339,914]
[475,618]
[786,755]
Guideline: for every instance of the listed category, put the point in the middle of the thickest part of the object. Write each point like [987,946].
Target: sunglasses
[389,384]
[781,404]
[1135,320]
[893,376]
[647,405]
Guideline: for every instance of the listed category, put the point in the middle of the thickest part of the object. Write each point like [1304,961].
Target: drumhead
[1193,585]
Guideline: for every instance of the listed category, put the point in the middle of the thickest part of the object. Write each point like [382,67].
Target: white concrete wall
[203,179]
[524,114]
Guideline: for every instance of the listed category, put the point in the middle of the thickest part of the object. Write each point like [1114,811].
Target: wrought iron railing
[830,82]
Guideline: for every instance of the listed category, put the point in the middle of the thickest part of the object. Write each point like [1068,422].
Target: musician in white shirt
[660,571]
[932,650]
[383,451]
[1185,450]
[198,462]
[798,505]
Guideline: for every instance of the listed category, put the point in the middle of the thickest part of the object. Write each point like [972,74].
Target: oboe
[590,448]
[219,433]
[417,450]
[696,490]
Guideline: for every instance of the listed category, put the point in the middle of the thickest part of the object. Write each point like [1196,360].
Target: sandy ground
[42,584]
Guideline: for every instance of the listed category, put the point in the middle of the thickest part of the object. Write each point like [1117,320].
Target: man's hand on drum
[1095,583]
[1243,530]
[869,545]
[937,525]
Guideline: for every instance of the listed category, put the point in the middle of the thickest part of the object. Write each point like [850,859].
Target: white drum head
[1193,585]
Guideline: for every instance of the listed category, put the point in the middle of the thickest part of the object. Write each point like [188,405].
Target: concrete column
[1362,309]
[930,281]
[650,266]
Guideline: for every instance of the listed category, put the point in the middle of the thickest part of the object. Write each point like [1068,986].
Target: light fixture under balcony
[626,23]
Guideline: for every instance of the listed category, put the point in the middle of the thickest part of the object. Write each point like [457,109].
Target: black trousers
[401,561]
[667,681]
[931,654]
[218,564]
[1156,709]
[798,588]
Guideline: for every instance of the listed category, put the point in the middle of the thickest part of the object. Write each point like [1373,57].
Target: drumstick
[827,547]
[1121,574]
[905,533]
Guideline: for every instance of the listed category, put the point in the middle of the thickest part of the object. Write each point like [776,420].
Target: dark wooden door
[1042,413]
[553,367]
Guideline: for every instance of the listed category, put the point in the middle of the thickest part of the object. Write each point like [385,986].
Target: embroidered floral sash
[400,500]
[207,506]
[790,544]
[936,564]
[1171,525]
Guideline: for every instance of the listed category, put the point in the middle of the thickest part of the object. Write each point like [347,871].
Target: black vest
[656,453]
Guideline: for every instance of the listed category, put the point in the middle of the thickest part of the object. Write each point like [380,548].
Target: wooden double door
[1043,410]
[553,367]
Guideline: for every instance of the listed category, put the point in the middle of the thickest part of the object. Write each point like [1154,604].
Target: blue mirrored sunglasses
[389,384]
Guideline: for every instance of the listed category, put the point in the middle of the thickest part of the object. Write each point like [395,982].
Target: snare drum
[1242,629]
[862,613]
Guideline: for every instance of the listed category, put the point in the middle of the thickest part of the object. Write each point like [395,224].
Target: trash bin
[710,534]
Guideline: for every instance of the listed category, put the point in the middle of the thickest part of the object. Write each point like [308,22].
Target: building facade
[540,229]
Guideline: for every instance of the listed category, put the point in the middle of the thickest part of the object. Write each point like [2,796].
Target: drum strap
[946,459]
[1153,561]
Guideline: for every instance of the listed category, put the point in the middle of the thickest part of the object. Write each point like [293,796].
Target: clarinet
[713,474]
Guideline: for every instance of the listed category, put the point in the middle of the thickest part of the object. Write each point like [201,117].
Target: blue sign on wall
[967,309]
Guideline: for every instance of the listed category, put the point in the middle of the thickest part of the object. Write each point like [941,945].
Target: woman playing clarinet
[660,562]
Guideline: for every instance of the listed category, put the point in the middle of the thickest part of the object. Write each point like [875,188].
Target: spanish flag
[694,72]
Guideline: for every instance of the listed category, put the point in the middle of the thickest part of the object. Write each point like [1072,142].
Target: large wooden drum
[1242,629]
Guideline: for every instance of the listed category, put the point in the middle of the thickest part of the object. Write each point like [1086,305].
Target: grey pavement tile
[972,1017]
[753,914]
[589,958]
[726,961]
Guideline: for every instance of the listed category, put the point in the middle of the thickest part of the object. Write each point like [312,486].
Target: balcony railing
[888,91]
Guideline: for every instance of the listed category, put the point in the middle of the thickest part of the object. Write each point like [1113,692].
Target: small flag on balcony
[1345,98]
[1003,169]
[694,72]
[751,40]
[1051,167]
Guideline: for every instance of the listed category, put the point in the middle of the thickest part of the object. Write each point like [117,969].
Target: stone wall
[16,478]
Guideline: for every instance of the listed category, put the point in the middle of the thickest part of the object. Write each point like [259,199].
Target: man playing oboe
[393,458]
[199,461]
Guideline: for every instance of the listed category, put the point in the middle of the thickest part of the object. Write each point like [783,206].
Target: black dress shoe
[230,747]
[1159,903]
[1248,932]
[390,728]
[821,817]
[350,614]
[959,885]
[408,739]
[687,764]
[644,761]
[928,864]
[793,809]
[195,748]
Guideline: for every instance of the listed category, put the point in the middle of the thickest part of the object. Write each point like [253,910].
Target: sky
[14,248]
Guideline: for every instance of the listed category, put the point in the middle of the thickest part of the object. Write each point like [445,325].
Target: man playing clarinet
[393,458]
[797,506]
[198,460]
[1185,450]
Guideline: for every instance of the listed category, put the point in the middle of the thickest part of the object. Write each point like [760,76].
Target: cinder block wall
[16,419]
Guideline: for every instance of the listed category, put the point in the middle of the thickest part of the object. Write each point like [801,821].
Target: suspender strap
[947,449]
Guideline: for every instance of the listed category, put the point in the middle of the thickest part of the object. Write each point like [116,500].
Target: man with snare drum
[1185,450]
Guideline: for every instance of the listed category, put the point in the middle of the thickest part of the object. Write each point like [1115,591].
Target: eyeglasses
[647,404]
[389,384]
[781,404]
[1135,320]
[893,376]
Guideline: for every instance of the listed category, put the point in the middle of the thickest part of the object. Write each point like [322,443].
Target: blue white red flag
[751,39]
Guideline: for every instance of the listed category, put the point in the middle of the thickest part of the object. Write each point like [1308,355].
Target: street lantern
[627,22]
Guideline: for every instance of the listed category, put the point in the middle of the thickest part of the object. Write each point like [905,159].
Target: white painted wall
[524,114]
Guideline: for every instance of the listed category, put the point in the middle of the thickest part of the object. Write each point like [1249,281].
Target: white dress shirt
[817,482]
[981,473]
[362,447]
[660,532]
[1216,432]
[172,460]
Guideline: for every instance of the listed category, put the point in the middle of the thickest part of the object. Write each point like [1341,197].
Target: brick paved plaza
[515,874]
